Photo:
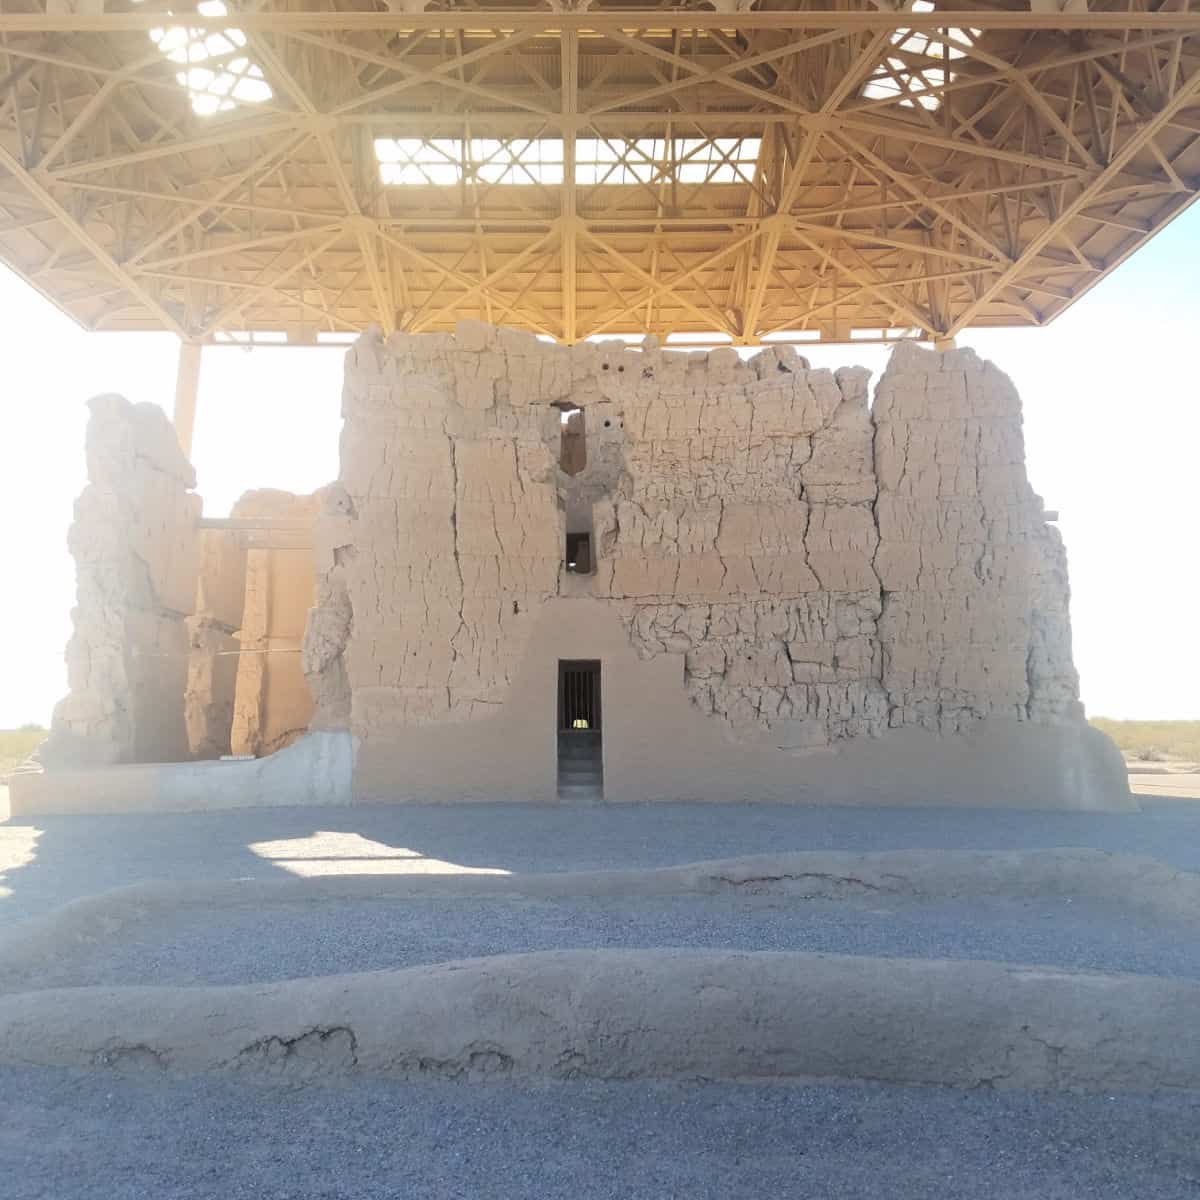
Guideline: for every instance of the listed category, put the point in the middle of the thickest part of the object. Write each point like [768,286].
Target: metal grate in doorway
[578,695]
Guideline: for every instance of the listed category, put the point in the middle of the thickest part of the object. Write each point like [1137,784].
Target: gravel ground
[77,1136]
[50,860]
[296,940]
[74,1136]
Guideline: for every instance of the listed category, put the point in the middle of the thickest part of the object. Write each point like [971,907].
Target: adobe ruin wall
[818,577]
[272,703]
[246,693]
[793,594]
[186,641]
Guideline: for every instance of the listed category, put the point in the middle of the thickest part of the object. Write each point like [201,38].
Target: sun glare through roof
[218,74]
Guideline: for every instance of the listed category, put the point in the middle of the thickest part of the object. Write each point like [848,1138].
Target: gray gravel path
[253,945]
[78,856]
[78,1136]
[70,1136]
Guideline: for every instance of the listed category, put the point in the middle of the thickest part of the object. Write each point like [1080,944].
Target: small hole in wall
[605,367]
[619,370]
[607,424]
[516,609]
[648,373]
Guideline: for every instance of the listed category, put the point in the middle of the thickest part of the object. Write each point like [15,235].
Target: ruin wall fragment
[212,632]
[136,548]
[272,704]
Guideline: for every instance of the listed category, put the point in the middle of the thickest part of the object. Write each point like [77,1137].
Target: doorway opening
[580,738]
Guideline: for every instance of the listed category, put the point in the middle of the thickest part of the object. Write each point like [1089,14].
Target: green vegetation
[16,745]
[1153,741]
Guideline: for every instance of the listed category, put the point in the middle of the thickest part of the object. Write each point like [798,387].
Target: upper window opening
[572,455]
[218,73]
[912,83]
[598,161]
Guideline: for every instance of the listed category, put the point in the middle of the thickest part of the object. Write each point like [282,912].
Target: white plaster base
[315,770]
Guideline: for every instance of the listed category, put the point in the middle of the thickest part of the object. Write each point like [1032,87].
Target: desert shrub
[1154,741]
[16,745]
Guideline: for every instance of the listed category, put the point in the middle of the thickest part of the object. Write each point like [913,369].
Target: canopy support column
[187,384]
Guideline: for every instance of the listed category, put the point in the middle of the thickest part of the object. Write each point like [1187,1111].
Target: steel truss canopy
[775,172]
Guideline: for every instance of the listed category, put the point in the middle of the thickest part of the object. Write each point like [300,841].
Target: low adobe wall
[641,1014]
[313,770]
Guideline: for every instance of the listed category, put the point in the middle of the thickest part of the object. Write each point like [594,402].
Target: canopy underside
[781,173]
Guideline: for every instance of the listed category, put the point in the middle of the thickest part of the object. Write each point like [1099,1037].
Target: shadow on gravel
[48,861]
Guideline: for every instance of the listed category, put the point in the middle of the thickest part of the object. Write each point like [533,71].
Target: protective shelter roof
[298,171]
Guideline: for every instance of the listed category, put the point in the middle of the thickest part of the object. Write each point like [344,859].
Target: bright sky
[1112,423]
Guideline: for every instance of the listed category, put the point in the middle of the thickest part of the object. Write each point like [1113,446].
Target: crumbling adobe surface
[246,692]
[187,641]
[823,572]
[792,595]
[212,630]
[136,549]
[273,705]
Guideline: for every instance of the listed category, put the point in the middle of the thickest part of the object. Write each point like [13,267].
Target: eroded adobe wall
[444,538]
[273,704]
[973,580]
[212,631]
[136,548]
[805,575]
[743,538]
[878,569]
